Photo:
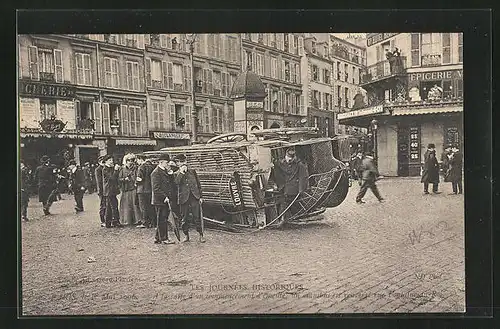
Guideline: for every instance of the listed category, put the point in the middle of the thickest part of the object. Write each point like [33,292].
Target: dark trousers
[457,186]
[434,187]
[112,215]
[285,201]
[191,205]
[147,210]
[162,213]
[102,208]
[78,195]
[368,184]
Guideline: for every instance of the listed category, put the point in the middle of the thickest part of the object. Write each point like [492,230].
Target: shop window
[428,90]
[47,109]
[447,89]
[459,88]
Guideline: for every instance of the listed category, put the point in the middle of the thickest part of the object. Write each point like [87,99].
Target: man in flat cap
[46,183]
[143,183]
[291,177]
[77,184]
[110,190]
[369,174]
[162,192]
[189,197]
[99,186]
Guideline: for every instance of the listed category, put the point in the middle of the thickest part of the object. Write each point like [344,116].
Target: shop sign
[46,90]
[358,113]
[437,75]
[414,144]
[166,135]
[255,105]
[235,190]
[378,38]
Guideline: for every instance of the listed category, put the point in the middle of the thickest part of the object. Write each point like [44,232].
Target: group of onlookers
[451,167]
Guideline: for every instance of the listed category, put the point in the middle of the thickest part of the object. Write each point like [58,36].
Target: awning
[57,135]
[430,110]
[135,142]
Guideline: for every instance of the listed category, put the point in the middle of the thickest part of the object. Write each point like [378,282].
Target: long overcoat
[46,182]
[430,173]
[455,174]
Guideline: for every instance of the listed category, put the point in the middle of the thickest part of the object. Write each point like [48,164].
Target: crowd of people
[152,195]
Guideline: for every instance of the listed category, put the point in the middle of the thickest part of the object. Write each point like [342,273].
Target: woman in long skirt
[130,213]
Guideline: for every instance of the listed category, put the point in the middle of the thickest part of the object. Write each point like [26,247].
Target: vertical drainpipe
[99,83]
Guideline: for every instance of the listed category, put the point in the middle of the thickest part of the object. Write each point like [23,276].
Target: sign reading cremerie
[437,75]
[362,112]
[46,90]
[165,135]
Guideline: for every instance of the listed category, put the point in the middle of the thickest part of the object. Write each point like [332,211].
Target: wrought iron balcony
[431,60]
[384,69]
[46,76]
[85,124]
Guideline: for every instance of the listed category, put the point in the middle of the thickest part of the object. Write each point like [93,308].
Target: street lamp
[191,39]
[374,126]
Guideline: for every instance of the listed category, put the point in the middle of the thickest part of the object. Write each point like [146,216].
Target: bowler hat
[431,146]
[44,159]
[290,152]
[180,157]
[164,157]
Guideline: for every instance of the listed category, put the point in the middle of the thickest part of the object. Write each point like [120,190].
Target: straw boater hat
[127,157]
[164,157]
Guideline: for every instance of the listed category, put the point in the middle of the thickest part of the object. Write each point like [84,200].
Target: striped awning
[430,110]
[135,142]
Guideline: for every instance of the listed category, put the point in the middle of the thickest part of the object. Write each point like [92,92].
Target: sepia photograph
[241,173]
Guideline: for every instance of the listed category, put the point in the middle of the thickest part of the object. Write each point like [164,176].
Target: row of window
[272,67]
[433,48]
[280,101]
[327,101]
[324,75]
[287,42]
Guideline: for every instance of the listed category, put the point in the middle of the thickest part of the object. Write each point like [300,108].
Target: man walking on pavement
[143,183]
[46,183]
[189,196]
[77,184]
[102,199]
[430,174]
[25,198]
[369,176]
[110,190]
[162,192]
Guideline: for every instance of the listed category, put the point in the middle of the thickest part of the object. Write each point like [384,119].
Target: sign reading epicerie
[437,75]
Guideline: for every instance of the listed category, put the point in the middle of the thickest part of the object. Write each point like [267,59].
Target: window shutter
[205,78]
[302,110]
[140,41]
[33,62]
[125,119]
[144,121]
[185,76]
[78,114]
[169,41]
[291,46]
[187,118]
[58,65]
[301,46]
[214,117]
[164,71]
[172,116]
[170,76]
[105,118]
[97,118]
[210,82]
[162,115]
[148,72]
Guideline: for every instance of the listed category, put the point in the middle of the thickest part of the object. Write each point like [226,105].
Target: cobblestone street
[403,255]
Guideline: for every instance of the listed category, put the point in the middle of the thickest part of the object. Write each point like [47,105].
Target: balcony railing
[431,60]
[85,124]
[383,69]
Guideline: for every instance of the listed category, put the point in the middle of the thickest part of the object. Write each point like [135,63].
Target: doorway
[403,151]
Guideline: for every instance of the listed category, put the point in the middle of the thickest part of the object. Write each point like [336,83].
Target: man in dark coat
[143,183]
[189,197]
[162,192]
[46,179]
[291,177]
[77,184]
[25,198]
[369,176]
[110,190]
[430,173]
[445,159]
[102,199]
[455,171]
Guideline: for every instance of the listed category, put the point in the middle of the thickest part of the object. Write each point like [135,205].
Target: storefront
[432,85]
[321,119]
[48,123]
[119,146]
[404,131]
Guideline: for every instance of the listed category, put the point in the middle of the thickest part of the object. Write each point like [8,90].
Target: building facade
[276,59]
[414,84]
